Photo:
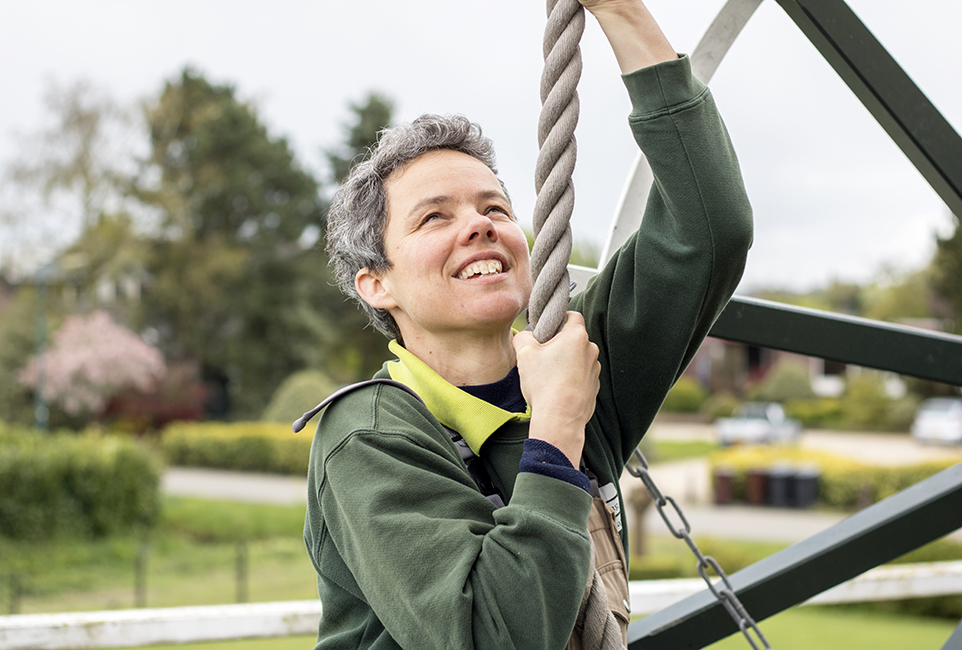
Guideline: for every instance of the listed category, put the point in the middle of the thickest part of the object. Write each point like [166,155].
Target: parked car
[757,423]
[938,420]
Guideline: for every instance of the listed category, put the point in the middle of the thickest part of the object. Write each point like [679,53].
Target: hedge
[686,396]
[75,485]
[242,446]
[843,483]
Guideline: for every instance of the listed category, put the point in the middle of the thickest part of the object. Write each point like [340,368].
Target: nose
[478,227]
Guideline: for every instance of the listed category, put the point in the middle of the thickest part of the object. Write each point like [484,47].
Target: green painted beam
[955,641]
[889,94]
[905,521]
[935,356]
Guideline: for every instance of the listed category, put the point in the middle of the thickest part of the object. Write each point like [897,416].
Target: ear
[373,289]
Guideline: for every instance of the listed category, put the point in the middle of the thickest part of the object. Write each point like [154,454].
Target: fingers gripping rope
[556,163]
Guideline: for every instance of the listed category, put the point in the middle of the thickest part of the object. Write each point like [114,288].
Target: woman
[409,553]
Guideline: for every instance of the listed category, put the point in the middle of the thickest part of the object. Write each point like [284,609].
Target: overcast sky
[834,198]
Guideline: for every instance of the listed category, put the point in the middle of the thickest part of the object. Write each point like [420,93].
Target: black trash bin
[806,488]
[781,487]
[723,480]
[756,487]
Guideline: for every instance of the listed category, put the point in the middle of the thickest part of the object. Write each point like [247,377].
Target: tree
[357,350]
[91,360]
[234,280]
[18,331]
[947,270]
[360,135]
[70,172]
[788,380]
[899,296]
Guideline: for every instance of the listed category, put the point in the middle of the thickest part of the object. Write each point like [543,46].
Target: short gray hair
[357,218]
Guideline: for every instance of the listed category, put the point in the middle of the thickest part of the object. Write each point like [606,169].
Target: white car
[757,423]
[938,420]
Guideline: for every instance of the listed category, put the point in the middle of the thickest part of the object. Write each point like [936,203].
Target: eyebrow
[484,195]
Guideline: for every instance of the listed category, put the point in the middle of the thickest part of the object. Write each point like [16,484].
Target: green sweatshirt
[408,552]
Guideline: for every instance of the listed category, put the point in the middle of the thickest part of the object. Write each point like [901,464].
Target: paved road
[234,486]
[873,448]
[687,481]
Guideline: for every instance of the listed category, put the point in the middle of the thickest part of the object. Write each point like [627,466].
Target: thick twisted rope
[556,163]
[552,243]
[599,629]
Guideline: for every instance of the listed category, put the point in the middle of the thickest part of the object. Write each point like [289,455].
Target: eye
[498,209]
[430,217]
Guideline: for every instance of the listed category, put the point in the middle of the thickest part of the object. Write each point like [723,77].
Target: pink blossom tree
[90,360]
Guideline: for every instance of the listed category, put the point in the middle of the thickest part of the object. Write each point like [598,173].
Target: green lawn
[821,628]
[799,629]
[192,561]
[669,450]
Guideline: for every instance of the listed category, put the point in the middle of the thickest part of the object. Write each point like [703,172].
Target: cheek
[517,243]
[422,259]
[522,257]
[526,286]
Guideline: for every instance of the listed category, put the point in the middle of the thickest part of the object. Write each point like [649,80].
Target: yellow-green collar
[456,409]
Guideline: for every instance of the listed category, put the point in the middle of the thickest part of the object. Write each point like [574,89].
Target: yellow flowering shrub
[843,482]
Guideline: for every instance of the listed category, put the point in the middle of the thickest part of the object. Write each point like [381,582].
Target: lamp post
[41,413]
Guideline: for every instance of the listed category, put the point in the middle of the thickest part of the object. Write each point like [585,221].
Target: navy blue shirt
[539,457]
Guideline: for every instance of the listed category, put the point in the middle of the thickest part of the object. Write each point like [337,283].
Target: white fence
[123,628]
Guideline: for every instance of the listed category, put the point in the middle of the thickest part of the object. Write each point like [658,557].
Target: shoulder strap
[479,474]
[475,467]
[302,421]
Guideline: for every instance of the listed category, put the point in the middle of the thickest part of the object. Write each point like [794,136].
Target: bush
[17,341]
[686,396]
[655,567]
[180,395]
[297,394]
[786,381]
[720,405]
[823,413]
[67,485]
[242,446]
[843,483]
[901,412]
[865,403]
[863,408]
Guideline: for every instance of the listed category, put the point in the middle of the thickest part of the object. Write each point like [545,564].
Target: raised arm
[635,37]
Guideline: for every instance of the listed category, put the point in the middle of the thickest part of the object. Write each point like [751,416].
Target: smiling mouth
[484,267]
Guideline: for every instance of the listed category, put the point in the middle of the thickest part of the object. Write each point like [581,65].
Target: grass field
[826,629]
[192,561]
[799,629]
[669,450]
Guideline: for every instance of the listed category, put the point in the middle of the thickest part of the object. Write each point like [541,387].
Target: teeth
[484,267]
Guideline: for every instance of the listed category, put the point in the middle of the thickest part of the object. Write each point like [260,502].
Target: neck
[465,359]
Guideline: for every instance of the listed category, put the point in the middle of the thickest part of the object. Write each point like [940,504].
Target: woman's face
[459,259]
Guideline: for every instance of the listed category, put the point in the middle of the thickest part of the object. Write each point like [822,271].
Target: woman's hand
[560,381]
[635,37]
[591,5]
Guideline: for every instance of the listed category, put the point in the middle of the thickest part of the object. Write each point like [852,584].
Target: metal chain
[722,590]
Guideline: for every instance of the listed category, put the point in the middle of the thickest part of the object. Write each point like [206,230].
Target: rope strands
[552,243]
[556,162]
[599,629]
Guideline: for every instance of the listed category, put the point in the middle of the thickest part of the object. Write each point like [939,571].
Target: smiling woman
[459,274]
[358,216]
[463,498]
